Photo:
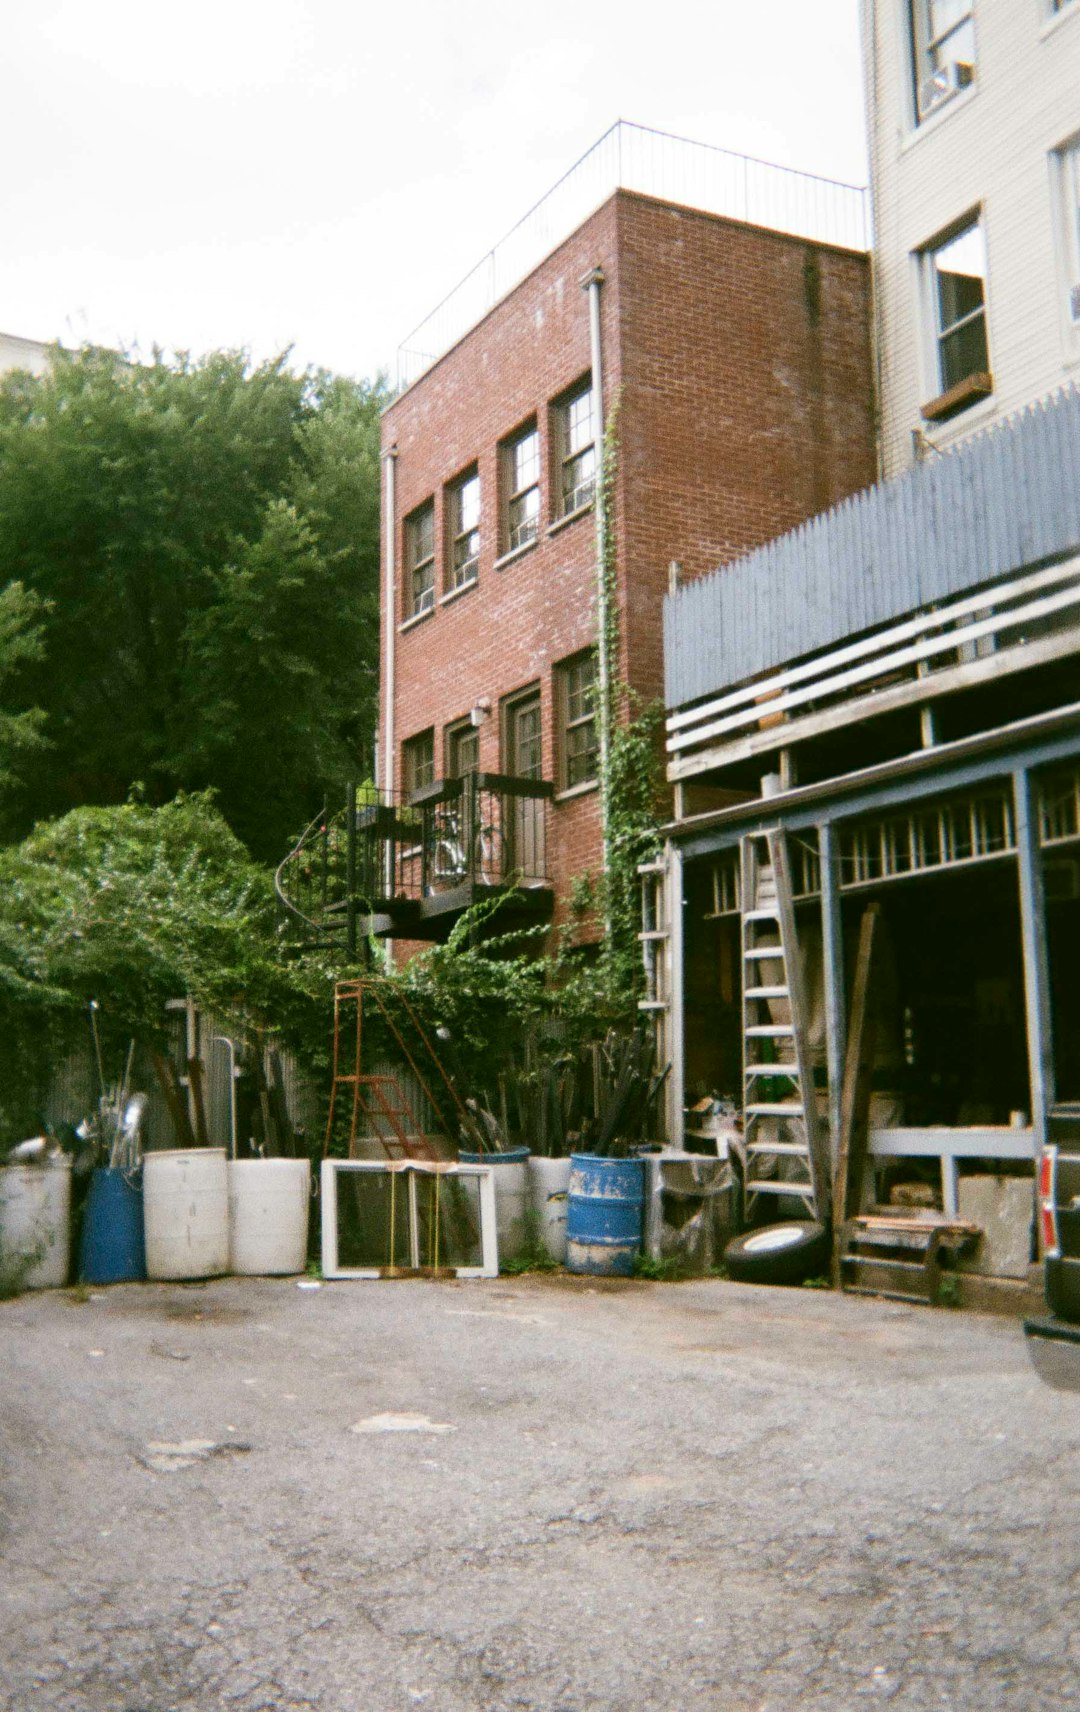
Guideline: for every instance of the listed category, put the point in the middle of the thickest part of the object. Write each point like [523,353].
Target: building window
[578,745]
[462,750]
[418,761]
[420,560]
[943,51]
[955,280]
[575,449]
[464,531]
[1066,162]
[521,478]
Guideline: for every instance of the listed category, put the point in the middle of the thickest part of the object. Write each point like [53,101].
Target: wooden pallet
[900,1257]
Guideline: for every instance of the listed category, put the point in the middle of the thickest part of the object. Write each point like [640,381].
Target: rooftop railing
[654,163]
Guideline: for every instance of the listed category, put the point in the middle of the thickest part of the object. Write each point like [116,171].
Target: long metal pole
[390,631]
[1033,940]
[591,284]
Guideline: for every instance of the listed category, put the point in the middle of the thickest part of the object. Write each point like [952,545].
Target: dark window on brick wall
[573,438]
[420,560]
[462,749]
[520,461]
[463,532]
[578,746]
[418,761]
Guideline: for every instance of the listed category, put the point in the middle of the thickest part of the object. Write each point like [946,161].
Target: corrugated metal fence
[1007,498]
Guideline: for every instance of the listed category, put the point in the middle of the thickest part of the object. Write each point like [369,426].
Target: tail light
[1048,1224]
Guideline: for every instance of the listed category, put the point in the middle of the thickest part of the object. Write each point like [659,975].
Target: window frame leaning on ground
[515,492]
[573,442]
[948,323]
[575,713]
[943,52]
[462,530]
[420,560]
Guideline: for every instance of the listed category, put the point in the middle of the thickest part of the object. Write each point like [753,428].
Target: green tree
[155,506]
[21,646]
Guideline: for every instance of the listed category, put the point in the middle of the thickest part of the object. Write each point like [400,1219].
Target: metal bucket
[603,1223]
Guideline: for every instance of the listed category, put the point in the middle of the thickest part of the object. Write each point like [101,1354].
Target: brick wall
[741,360]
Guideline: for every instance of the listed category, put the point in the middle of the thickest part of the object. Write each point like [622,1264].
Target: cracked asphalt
[646,1497]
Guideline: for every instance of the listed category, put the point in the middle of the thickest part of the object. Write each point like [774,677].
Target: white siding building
[18,353]
[974,127]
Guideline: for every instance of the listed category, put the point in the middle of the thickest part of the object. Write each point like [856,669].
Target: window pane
[579,422]
[468,505]
[963,353]
[525,461]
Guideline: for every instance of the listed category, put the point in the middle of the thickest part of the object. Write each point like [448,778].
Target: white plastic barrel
[511,1196]
[549,1184]
[35,1224]
[268,1215]
[186,1207]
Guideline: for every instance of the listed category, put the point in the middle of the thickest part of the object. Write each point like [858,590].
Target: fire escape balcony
[407,866]
[423,859]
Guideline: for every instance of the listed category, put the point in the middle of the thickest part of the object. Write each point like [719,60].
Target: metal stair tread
[776,1109]
[769,1031]
[766,993]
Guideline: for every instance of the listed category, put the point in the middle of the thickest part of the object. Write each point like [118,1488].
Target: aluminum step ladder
[781,1134]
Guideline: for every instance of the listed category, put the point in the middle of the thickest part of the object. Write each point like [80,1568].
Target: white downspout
[386,783]
[591,283]
[389,613]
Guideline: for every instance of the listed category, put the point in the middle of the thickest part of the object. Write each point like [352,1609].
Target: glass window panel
[525,461]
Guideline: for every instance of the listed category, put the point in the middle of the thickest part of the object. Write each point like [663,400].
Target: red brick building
[736,367]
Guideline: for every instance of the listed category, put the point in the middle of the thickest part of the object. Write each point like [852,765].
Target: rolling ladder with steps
[778,1088]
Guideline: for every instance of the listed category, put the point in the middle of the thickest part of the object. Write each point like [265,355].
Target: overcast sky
[319,173]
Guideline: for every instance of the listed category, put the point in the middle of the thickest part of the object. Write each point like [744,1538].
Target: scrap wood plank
[855,1095]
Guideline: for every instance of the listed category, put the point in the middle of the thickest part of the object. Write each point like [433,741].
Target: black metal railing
[385,849]
[485,830]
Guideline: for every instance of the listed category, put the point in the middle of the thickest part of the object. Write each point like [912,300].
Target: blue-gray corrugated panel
[1010,497]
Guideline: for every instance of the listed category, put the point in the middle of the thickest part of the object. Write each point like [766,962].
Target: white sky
[319,173]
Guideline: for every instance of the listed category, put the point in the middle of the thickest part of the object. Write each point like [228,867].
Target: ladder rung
[796,1148]
[777,1109]
[766,993]
[789,1071]
[762,913]
[770,1186]
[769,1031]
[775,951]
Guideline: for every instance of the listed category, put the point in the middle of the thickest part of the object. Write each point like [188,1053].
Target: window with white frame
[954,271]
[420,560]
[575,449]
[520,458]
[464,530]
[1066,164]
[943,51]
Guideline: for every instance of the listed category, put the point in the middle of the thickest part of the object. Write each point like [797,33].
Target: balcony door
[522,749]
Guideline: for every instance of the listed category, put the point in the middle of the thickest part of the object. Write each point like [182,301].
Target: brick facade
[740,360]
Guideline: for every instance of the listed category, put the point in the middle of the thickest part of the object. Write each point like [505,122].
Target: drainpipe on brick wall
[591,283]
[390,611]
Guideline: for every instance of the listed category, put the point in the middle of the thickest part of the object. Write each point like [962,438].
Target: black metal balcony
[408,866]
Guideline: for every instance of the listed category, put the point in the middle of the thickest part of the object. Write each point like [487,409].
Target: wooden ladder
[778,1083]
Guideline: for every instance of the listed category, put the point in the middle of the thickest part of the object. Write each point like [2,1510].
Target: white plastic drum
[186,1206]
[268,1215]
[549,1182]
[35,1224]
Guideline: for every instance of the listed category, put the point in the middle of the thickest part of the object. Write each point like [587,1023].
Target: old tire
[778,1254]
[1063,1289]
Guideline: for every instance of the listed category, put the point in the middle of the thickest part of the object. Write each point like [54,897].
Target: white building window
[464,531]
[575,449]
[943,51]
[520,459]
[954,292]
[1066,168]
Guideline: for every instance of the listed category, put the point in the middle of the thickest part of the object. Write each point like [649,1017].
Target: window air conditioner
[944,83]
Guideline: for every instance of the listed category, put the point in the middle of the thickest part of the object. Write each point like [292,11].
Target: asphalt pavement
[529,1495]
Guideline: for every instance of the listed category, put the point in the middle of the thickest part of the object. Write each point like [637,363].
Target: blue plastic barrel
[113,1249]
[603,1214]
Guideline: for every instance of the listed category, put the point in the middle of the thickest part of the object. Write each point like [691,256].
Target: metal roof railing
[653,163]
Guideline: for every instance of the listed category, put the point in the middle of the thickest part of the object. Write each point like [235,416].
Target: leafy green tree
[21,645]
[206,537]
